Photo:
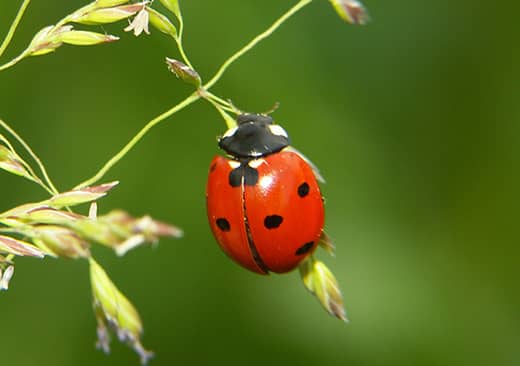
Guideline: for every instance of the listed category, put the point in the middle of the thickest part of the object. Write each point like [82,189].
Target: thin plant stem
[59,24]
[255,41]
[223,103]
[32,175]
[51,188]
[68,18]
[13,27]
[179,43]
[230,122]
[193,97]
[13,62]
[116,158]
[183,54]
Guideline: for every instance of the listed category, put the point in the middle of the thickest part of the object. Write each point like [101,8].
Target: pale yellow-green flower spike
[161,22]
[60,241]
[109,3]
[19,248]
[12,163]
[327,244]
[107,15]
[320,281]
[114,310]
[79,196]
[184,72]
[85,38]
[173,6]
[351,11]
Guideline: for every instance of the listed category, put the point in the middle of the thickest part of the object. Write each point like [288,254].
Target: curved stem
[179,44]
[13,62]
[230,122]
[195,96]
[223,103]
[116,158]
[183,54]
[51,188]
[255,41]
[58,25]
[13,27]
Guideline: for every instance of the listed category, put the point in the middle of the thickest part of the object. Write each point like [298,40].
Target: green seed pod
[327,244]
[173,6]
[109,3]
[98,231]
[114,310]
[46,41]
[61,241]
[48,215]
[83,195]
[11,163]
[85,38]
[108,15]
[20,248]
[183,72]
[320,281]
[40,37]
[351,11]
[161,22]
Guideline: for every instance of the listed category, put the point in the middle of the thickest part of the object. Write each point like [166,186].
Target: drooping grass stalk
[117,157]
[50,186]
[13,62]
[31,175]
[195,96]
[13,27]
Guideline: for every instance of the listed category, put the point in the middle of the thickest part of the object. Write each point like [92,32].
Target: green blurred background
[413,120]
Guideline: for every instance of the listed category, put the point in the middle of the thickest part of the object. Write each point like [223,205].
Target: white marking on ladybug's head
[256,163]
[233,164]
[230,132]
[278,131]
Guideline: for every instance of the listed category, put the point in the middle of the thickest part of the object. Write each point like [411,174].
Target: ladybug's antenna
[273,108]
[239,112]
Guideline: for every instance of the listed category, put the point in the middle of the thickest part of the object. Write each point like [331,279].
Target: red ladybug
[264,204]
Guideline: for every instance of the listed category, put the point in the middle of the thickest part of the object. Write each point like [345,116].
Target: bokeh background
[413,120]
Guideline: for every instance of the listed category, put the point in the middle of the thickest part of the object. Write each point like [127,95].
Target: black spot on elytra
[303,189]
[273,221]
[305,248]
[249,174]
[212,167]
[235,177]
[223,224]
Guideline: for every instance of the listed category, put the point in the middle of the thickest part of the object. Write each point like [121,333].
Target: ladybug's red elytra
[264,204]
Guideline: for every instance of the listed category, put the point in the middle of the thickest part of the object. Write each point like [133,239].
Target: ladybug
[264,204]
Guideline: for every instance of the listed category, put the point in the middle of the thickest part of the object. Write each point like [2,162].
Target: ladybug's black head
[256,135]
